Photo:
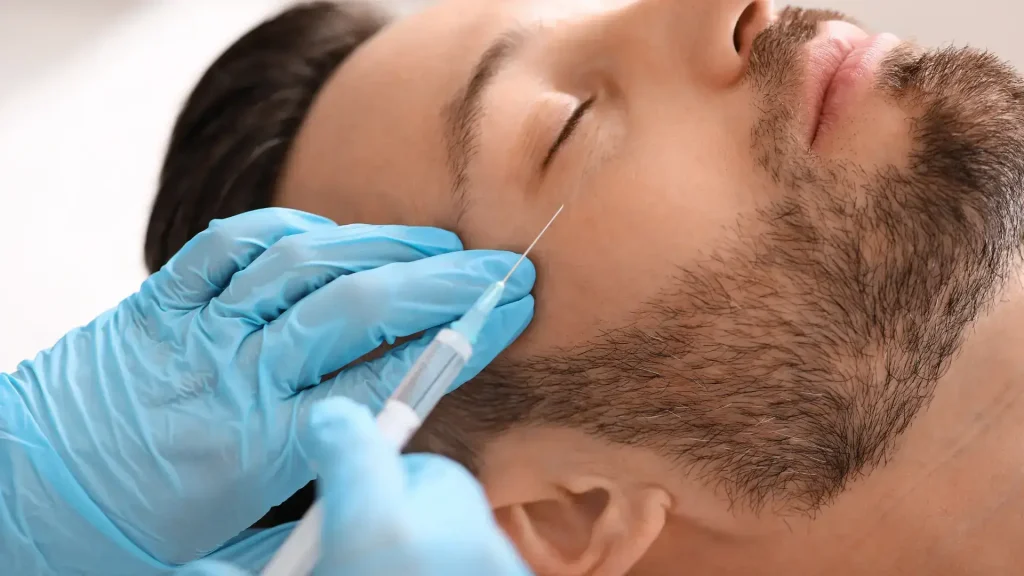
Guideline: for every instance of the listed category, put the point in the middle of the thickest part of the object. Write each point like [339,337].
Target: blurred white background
[88,93]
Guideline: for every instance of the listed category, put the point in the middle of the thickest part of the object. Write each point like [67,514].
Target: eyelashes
[567,131]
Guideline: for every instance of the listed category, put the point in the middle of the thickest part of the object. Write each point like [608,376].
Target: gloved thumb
[210,568]
[203,268]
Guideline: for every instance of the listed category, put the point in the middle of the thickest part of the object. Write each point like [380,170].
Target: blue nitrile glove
[168,425]
[392,515]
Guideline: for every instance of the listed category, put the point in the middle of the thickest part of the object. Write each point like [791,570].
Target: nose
[725,40]
[713,38]
[755,17]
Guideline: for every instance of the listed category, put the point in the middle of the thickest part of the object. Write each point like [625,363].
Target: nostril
[747,19]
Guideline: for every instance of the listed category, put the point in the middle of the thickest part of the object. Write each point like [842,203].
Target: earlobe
[590,526]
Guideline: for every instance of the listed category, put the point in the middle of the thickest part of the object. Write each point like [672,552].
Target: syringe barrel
[431,376]
[301,550]
[434,372]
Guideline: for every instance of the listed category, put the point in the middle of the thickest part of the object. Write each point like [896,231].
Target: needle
[532,244]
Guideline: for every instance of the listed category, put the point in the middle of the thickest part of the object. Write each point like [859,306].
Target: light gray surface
[991,24]
[88,91]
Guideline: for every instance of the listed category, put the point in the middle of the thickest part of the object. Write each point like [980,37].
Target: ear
[590,526]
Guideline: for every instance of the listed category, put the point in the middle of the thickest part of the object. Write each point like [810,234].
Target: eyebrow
[463,113]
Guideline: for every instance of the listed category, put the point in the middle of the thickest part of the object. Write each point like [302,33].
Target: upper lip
[827,54]
[822,81]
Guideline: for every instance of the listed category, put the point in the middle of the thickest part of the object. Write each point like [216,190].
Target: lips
[841,64]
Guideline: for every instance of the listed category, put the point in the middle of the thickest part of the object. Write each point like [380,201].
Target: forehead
[375,126]
[378,125]
[449,35]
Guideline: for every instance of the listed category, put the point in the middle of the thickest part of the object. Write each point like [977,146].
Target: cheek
[670,196]
[627,234]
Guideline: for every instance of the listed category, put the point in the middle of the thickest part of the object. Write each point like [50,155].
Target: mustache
[775,53]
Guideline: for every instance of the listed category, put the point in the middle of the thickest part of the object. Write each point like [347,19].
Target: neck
[950,501]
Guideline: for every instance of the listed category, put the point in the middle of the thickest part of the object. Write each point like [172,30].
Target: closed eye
[567,131]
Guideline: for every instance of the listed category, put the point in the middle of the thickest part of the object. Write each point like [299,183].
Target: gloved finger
[446,494]
[253,548]
[371,383]
[210,568]
[356,313]
[432,480]
[361,480]
[205,265]
[298,265]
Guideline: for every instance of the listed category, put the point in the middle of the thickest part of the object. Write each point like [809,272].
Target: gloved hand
[168,425]
[389,515]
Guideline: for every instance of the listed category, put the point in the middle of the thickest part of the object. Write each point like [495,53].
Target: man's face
[656,171]
[764,270]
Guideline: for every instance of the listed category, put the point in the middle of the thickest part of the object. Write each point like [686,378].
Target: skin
[657,175]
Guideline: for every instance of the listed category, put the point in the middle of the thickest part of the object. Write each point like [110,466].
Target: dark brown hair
[232,137]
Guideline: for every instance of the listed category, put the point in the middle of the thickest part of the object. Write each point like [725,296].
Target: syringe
[404,412]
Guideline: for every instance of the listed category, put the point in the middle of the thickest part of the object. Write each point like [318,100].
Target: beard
[857,288]
[789,362]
